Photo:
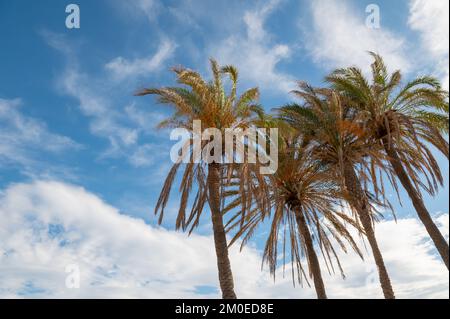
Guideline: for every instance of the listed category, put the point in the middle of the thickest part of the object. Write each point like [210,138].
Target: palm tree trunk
[220,239]
[439,240]
[313,261]
[359,202]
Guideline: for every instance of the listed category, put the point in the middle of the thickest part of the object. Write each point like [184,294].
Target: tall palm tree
[305,208]
[404,120]
[338,142]
[208,102]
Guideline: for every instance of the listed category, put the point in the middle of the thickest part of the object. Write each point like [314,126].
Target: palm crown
[405,120]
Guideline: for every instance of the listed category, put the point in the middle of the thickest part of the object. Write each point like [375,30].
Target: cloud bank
[46,226]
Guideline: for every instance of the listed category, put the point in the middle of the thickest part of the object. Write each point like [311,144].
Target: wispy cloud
[105,118]
[21,136]
[123,68]
[254,53]
[150,9]
[339,37]
[431,19]
[122,123]
[146,155]
[52,225]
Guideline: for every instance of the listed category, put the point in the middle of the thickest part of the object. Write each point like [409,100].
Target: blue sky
[67,111]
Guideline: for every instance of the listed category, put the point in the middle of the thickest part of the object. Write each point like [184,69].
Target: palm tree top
[408,117]
[197,99]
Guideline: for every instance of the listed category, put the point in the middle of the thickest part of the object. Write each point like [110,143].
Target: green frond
[245,99]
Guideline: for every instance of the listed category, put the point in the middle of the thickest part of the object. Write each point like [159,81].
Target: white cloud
[146,120]
[123,68]
[21,135]
[145,155]
[340,38]
[431,19]
[255,20]
[48,225]
[149,9]
[254,54]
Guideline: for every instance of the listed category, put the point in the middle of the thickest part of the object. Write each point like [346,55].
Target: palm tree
[404,120]
[196,99]
[305,203]
[338,142]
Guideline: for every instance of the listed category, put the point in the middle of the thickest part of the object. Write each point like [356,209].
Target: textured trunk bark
[220,239]
[360,203]
[439,240]
[313,261]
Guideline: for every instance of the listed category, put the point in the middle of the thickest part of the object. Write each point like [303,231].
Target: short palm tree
[404,120]
[338,142]
[196,99]
[305,209]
